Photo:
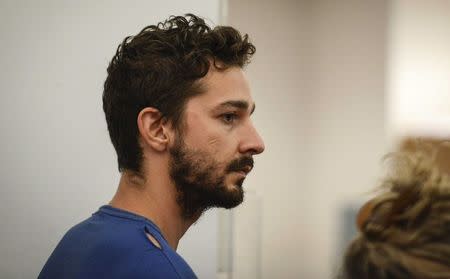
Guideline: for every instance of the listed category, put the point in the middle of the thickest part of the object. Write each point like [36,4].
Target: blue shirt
[113,243]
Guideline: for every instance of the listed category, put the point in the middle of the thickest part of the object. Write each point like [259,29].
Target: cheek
[215,145]
[202,132]
[207,135]
[222,148]
[213,142]
[197,131]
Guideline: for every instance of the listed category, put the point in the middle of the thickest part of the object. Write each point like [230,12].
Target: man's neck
[155,199]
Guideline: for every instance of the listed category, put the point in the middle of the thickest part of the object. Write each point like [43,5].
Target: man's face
[213,155]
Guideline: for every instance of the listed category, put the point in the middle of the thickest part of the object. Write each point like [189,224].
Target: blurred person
[405,230]
[177,107]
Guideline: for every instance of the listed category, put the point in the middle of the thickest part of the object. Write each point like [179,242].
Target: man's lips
[242,166]
[245,170]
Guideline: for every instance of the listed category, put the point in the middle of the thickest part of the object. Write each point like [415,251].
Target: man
[178,109]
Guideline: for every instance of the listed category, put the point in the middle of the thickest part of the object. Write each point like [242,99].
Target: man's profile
[177,106]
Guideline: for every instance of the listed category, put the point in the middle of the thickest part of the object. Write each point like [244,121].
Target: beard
[200,180]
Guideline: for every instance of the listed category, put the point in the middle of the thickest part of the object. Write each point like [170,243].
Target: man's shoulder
[157,265]
[98,233]
[97,248]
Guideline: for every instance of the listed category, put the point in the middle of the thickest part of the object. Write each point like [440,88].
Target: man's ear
[153,128]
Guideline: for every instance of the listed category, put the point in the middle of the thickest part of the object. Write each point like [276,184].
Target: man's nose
[252,142]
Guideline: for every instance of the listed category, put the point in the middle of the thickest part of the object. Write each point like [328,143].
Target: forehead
[222,86]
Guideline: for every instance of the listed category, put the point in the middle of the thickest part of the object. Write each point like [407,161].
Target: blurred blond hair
[405,229]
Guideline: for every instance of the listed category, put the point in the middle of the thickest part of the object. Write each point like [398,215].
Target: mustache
[240,164]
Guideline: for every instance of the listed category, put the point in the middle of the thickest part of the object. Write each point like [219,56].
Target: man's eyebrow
[243,105]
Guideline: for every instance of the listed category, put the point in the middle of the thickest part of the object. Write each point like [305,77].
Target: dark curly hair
[159,67]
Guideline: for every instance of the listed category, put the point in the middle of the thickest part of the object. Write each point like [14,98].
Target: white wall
[57,165]
[419,63]
[318,79]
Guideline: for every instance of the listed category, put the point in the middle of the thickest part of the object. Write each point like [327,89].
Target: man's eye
[229,118]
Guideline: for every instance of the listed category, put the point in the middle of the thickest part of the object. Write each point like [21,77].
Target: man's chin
[233,197]
[234,187]
[235,181]
[231,204]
